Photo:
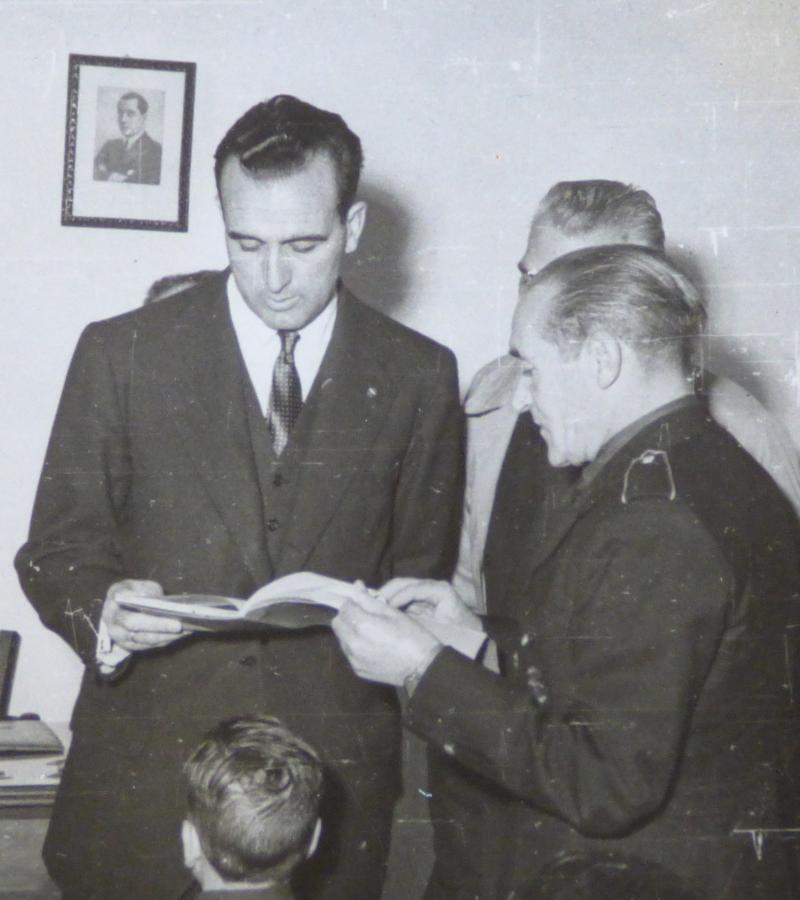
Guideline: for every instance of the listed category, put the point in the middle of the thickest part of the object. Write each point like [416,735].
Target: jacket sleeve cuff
[448,707]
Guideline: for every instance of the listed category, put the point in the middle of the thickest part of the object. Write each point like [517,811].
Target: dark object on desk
[9,645]
[28,737]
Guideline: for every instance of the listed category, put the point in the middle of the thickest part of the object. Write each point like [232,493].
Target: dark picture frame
[128,145]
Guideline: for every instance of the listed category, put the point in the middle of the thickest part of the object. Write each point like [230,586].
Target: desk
[22,830]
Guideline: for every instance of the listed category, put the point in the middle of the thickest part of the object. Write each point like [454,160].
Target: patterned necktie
[286,397]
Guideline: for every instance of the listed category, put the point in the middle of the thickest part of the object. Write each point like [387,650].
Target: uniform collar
[618,442]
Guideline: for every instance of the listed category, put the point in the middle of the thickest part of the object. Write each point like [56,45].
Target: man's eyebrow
[305,237]
[241,236]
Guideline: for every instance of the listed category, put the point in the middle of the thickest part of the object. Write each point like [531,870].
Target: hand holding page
[438,608]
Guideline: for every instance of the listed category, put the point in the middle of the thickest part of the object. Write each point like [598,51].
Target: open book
[299,600]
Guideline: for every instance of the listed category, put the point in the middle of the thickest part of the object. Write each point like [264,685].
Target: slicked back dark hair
[632,293]
[253,797]
[280,135]
[141,104]
[627,213]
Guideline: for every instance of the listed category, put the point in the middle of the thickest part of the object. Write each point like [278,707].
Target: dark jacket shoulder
[390,339]
[686,459]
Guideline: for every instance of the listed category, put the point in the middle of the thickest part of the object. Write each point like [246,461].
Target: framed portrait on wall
[128,144]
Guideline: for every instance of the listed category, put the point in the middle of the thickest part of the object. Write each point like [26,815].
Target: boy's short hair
[253,797]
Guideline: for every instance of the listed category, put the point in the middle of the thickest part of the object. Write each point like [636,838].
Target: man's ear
[192,851]
[603,354]
[312,844]
[354,225]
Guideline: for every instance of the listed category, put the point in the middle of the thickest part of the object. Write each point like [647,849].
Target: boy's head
[253,798]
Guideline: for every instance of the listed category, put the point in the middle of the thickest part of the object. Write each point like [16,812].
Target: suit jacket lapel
[334,436]
[205,399]
[543,541]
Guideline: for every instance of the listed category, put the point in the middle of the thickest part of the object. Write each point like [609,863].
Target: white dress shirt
[260,344]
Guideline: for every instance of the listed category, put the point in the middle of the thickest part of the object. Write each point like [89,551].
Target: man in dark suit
[136,157]
[262,422]
[641,704]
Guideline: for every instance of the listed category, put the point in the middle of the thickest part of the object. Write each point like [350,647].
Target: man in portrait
[134,158]
[261,422]
[635,701]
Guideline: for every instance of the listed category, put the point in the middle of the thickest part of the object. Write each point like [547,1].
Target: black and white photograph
[401,474]
[128,151]
[128,143]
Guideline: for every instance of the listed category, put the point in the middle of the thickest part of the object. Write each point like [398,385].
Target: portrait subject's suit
[645,702]
[159,467]
[140,162]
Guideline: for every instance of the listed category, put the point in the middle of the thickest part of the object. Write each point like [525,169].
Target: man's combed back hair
[141,103]
[622,210]
[632,293]
[280,135]
[253,796]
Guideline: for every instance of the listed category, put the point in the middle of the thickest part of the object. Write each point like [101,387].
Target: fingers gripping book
[299,600]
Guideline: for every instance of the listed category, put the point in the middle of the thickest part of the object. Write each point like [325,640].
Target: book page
[204,606]
[302,586]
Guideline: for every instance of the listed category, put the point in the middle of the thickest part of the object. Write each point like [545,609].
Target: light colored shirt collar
[260,344]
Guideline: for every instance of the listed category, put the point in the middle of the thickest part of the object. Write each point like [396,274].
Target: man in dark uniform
[642,701]
[135,157]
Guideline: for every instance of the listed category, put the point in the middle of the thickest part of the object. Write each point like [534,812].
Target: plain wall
[468,112]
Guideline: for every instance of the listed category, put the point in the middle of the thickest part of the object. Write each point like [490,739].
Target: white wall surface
[468,112]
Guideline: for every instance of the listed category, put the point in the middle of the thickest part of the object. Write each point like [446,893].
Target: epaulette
[649,475]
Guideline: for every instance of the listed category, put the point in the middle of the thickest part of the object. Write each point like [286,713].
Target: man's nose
[278,272]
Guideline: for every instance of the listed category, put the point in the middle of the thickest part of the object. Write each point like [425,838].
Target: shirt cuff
[489,657]
[108,655]
[412,680]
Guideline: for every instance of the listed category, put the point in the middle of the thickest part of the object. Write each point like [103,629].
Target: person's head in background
[169,285]
[253,793]
[577,214]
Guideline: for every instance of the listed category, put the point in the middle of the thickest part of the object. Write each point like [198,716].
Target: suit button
[272,524]
[248,661]
[277,479]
